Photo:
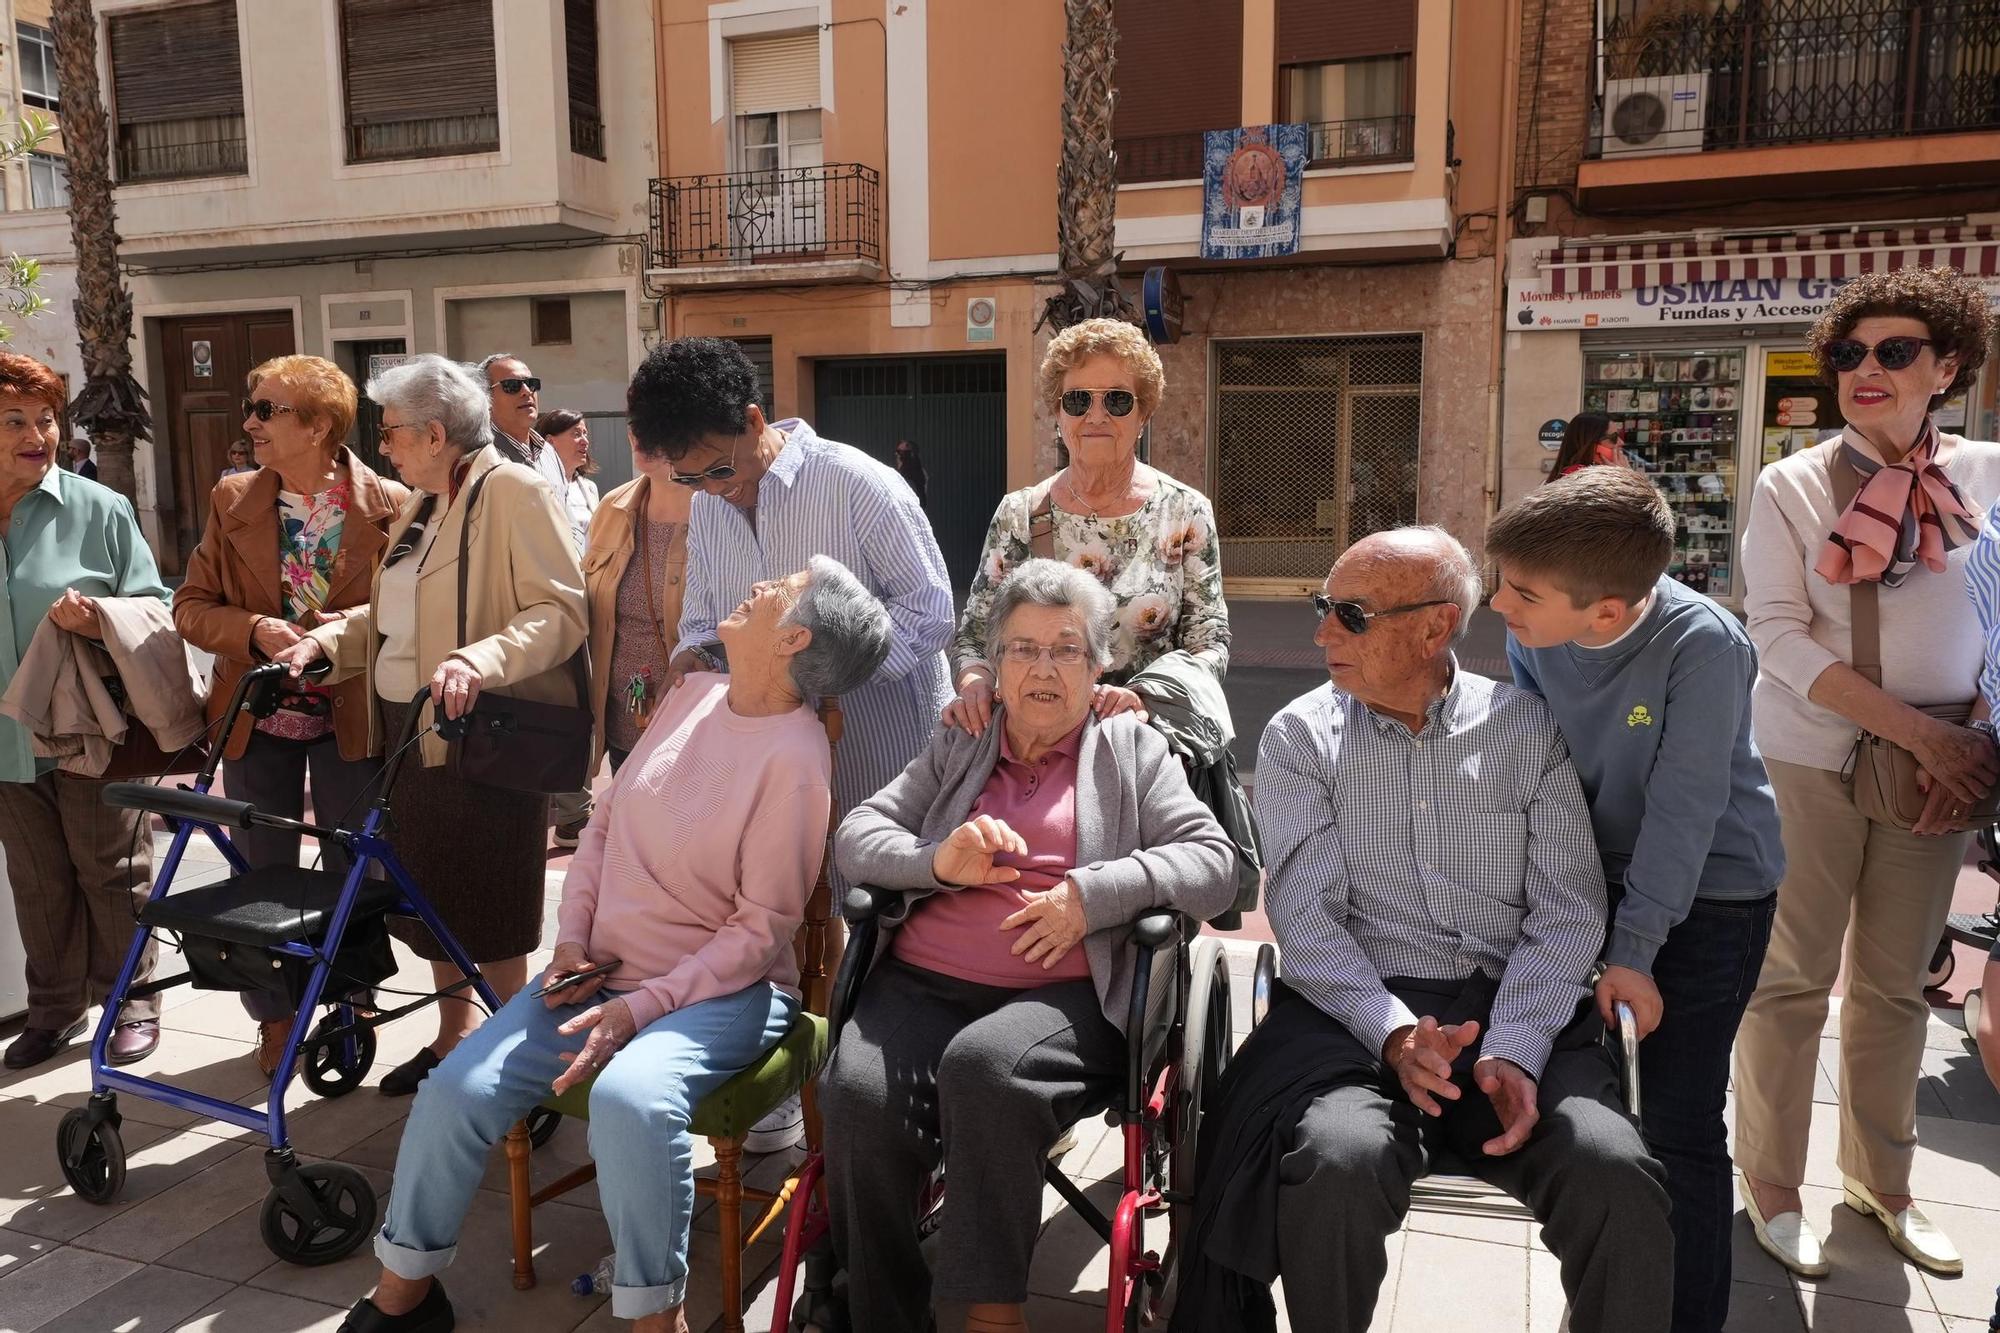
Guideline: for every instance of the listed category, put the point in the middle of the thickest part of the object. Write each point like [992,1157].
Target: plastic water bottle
[597,1282]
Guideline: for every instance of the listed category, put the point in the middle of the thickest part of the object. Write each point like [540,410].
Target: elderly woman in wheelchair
[997,1009]
[673,965]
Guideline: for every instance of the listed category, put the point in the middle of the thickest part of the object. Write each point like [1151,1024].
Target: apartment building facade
[1696,180]
[866,195]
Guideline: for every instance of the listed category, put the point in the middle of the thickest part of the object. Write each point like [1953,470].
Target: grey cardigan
[1142,839]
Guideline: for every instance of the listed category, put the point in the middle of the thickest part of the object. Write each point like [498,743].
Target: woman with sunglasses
[1588,441]
[1894,346]
[289,547]
[1148,538]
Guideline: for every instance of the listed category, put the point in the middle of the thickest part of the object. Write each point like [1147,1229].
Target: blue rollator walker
[281,928]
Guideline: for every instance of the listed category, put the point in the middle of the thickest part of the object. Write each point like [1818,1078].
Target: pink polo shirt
[958,933]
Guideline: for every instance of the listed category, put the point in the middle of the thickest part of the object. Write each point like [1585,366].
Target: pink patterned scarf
[1904,512]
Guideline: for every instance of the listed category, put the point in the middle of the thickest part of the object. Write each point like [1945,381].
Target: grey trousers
[984,1079]
[271,775]
[1345,1186]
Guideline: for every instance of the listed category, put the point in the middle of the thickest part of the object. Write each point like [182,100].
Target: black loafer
[404,1078]
[35,1045]
[432,1315]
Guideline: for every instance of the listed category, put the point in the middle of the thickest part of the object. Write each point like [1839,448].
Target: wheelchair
[1178,1044]
[1976,929]
[302,931]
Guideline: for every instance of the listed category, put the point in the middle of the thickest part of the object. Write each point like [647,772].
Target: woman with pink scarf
[1870,529]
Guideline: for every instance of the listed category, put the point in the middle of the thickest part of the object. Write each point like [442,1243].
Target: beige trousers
[1883,895]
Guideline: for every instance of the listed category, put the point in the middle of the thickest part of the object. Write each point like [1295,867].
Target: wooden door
[207,359]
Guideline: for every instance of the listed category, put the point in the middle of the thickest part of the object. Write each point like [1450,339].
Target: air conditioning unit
[1650,117]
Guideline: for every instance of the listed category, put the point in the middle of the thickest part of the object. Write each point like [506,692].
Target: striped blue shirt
[1465,847]
[823,498]
[1982,583]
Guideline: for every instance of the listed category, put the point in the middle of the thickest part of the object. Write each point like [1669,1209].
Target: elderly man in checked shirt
[1439,904]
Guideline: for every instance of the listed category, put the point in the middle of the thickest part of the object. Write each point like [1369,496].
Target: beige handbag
[1881,774]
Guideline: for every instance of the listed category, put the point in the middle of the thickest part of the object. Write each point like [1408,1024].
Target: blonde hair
[1103,337]
[326,395]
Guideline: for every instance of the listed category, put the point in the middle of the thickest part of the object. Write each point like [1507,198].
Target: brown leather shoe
[271,1034]
[35,1045]
[133,1042]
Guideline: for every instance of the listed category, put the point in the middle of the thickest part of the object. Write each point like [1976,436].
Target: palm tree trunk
[111,405]
[1087,180]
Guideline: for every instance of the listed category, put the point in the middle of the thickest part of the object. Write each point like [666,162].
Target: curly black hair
[687,390]
[1946,302]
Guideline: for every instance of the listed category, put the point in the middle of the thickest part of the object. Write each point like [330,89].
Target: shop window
[1316,445]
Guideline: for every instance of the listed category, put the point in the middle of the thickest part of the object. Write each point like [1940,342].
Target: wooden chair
[725,1116]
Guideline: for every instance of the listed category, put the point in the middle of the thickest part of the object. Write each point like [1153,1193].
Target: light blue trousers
[639,1111]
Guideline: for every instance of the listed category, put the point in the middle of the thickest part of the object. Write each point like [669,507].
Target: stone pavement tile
[1956,1325]
[231,1249]
[1835,1314]
[1547,1306]
[249,1310]
[1826,1072]
[1070,1259]
[1439,1271]
[189,1061]
[34,1197]
[1756,1309]
[704,1300]
[1865,1266]
[18,1248]
[38,1292]
[1470,1226]
[328,1127]
[178,1214]
[1956,1162]
[149,1301]
[1960,1080]
[1748,1262]
[1976,1232]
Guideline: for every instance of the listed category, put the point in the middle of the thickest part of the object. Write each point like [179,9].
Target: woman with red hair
[78,869]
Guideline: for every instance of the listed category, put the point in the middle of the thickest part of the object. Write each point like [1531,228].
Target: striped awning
[1836,254]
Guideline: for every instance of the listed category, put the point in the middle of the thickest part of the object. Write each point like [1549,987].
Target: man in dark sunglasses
[1439,903]
[515,401]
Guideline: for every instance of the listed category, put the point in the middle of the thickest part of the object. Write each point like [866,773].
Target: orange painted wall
[995,82]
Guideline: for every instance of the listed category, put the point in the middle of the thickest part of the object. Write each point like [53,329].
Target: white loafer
[1909,1231]
[1786,1237]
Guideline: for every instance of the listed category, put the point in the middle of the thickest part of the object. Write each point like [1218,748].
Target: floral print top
[1162,563]
[309,529]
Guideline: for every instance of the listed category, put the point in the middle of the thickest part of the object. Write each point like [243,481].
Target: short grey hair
[1053,583]
[850,631]
[485,364]
[432,388]
[1454,578]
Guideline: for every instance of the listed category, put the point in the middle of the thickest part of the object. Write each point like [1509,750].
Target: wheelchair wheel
[99,1173]
[1944,961]
[542,1125]
[326,1065]
[1974,1002]
[1205,1049]
[346,1198]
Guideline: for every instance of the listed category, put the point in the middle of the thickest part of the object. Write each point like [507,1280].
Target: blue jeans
[1706,972]
[639,1110]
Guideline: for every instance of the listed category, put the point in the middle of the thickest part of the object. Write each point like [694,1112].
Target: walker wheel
[99,1173]
[1943,963]
[348,1202]
[326,1064]
[1974,1001]
[542,1125]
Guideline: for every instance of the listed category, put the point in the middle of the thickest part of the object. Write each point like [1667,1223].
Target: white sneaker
[783,1128]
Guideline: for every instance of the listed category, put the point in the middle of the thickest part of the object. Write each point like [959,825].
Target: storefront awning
[1835,255]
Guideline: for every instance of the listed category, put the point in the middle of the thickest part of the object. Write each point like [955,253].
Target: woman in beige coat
[477,852]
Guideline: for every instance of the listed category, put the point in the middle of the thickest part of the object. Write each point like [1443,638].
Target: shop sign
[1682,304]
[1551,433]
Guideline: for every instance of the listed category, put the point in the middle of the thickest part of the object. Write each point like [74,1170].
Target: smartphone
[572,978]
[1628,1035]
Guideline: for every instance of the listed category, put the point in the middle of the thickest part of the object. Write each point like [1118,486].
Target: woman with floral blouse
[1149,538]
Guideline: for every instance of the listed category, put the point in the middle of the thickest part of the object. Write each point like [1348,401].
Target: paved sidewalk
[179,1250]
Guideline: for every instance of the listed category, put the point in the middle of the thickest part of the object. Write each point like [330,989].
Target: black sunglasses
[720,472]
[1845,354]
[1117,402]
[515,383]
[1354,618]
[263,408]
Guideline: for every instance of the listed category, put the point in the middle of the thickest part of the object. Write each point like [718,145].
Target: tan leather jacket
[613,541]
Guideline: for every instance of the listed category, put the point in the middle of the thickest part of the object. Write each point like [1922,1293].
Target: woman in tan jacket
[477,852]
[287,548]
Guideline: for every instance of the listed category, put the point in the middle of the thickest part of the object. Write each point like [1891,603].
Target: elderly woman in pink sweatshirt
[688,884]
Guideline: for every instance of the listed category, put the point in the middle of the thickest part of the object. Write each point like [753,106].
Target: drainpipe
[1503,235]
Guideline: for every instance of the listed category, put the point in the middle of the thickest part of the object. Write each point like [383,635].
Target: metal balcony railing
[1716,74]
[1335,143]
[797,215]
[180,161]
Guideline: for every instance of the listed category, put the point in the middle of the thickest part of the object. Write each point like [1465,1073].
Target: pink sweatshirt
[695,870]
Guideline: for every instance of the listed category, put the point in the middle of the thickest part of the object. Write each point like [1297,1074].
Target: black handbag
[521,744]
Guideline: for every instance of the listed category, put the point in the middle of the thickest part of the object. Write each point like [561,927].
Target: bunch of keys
[639,697]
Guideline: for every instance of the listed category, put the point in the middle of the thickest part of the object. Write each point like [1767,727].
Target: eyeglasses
[1354,618]
[1025,652]
[1845,354]
[1117,402]
[403,425]
[516,383]
[263,408]
[720,472]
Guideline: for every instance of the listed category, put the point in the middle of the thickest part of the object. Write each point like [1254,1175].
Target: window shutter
[1315,32]
[1180,66]
[580,51]
[176,64]
[418,60]
[774,73]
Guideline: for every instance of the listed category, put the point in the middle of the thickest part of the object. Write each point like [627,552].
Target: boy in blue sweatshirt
[1650,683]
